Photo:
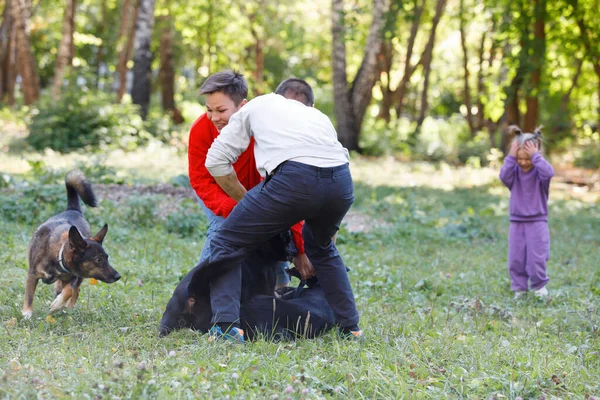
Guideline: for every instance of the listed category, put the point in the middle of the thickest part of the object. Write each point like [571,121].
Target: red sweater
[202,135]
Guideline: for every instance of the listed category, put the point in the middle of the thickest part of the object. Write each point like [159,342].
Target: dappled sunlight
[390,172]
[156,161]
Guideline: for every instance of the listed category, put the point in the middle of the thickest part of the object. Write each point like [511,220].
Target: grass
[429,276]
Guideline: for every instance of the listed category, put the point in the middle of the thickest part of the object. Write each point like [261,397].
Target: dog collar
[61,259]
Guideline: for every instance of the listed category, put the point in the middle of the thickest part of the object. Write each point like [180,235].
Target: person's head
[226,93]
[296,89]
[524,159]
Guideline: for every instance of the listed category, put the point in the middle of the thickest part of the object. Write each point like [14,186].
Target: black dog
[303,312]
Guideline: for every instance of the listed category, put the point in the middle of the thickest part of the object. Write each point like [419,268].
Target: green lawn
[429,276]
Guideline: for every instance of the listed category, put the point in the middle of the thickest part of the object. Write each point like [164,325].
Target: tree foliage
[494,62]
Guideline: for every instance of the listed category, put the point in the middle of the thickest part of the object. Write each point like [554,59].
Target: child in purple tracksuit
[527,175]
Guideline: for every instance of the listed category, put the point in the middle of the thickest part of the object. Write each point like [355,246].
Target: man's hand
[304,266]
[514,147]
[232,186]
[530,148]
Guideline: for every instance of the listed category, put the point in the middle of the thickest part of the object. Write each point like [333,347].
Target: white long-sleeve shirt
[283,130]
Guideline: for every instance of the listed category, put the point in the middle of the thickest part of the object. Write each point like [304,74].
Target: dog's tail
[78,186]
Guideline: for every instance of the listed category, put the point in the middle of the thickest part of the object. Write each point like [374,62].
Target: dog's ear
[99,237]
[76,240]
[196,282]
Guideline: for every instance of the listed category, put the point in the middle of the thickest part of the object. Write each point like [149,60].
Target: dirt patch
[354,221]
[174,195]
[359,222]
[119,193]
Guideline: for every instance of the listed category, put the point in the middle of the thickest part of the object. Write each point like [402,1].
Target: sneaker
[541,292]
[233,335]
[352,336]
[520,293]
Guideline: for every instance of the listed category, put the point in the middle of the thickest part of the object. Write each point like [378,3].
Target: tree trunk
[350,106]
[385,66]
[346,124]
[592,50]
[409,69]
[513,116]
[6,51]
[385,59]
[562,121]
[511,106]
[65,48]
[539,56]
[466,88]
[126,12]
[481,89]
[142,57]
[256,18]
[209,37]
[100,50]
[128,26]
[26,64]
[10,70]
[367,75]
[167,70]
[426,61]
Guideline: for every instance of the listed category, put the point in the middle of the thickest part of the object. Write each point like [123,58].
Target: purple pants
[528,252]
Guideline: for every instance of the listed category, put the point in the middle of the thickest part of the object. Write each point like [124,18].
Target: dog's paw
[59,303]
[27,314]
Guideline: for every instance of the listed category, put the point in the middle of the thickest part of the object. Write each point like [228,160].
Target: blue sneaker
[352,336]
[233,335]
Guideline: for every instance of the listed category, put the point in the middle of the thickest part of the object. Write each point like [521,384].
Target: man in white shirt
[307,178]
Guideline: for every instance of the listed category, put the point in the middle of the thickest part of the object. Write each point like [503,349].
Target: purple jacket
[528,190]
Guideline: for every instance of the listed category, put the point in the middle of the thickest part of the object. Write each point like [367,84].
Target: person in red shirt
[226,93]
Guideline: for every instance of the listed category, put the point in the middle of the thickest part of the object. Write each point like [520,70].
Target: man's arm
[226,149]
[232,186]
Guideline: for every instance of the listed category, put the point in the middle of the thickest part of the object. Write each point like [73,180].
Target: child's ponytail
[514,130]
[522,138]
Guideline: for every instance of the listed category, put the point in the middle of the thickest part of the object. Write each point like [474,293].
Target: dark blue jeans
[295,192]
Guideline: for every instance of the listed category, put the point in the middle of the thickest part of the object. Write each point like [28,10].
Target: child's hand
[530,148]
[514,147]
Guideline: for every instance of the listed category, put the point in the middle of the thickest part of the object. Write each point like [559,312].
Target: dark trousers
[295,192]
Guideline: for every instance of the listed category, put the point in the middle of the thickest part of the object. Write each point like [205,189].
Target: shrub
[85,119]
[32,204]
[40,174]
[139,211]
[6,181]
[589,158]
[476,149]
[379,138]
[181,180]
[100,173]
[187,222]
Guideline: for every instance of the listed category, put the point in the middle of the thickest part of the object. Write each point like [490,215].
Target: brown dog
[62,251]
